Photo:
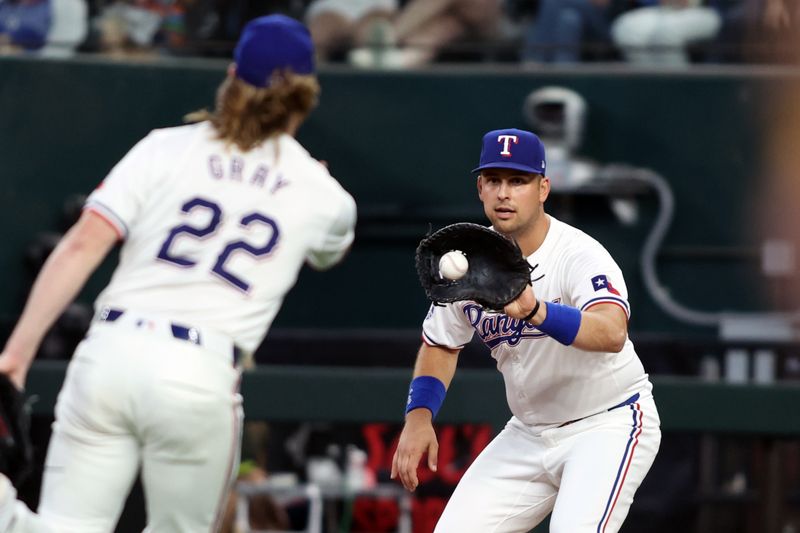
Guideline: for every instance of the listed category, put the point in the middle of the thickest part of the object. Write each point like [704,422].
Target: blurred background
[672,131]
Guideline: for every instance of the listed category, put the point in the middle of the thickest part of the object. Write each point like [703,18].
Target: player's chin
[505,223]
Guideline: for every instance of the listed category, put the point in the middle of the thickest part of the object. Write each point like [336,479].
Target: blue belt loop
[186,334]
[629,401]
[110,315]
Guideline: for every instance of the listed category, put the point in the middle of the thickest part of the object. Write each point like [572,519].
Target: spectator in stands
[757,30]
[141,27]
[24,24]
[422,29]
[659,31]
[69,27]
[212,27]
[780,22]
[562,27]
[338,25]
[735,17]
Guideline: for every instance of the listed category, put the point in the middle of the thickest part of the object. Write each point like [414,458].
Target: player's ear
[544,188]
[232,70]
[480,187]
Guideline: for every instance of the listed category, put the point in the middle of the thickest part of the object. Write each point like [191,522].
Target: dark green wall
[403,143]
[362,395]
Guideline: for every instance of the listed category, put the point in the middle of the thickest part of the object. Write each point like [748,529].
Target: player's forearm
[437,362]
[63,275]
[433,373]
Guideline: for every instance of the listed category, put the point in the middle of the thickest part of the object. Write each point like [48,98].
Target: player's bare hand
[15,369]
[418,437]
[523,305]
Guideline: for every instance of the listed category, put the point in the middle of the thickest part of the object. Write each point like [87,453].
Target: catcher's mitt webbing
[16,450]
[497,271]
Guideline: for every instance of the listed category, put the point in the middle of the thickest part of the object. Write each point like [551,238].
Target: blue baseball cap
[271,43]
[512,148]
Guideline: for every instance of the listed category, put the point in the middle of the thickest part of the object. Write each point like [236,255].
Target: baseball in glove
[497,272]
[16,450]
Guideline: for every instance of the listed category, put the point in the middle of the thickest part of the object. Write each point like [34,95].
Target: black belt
[180,332]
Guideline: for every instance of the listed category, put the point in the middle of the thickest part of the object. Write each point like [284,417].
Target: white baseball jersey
[546,382]
[215,237]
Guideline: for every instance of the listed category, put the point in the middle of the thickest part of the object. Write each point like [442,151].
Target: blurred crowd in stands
[410,33]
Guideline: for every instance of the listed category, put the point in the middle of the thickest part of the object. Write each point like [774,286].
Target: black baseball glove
[16,450]
[497,272]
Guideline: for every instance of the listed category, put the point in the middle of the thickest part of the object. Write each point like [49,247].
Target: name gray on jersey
[236,173]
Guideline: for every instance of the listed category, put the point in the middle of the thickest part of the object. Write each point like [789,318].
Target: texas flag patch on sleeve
[601,282]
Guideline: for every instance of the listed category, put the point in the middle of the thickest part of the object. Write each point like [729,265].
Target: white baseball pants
[136,398]
[586,473]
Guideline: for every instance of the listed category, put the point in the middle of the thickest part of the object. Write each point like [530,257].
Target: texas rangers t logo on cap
[505,139]
[512,148]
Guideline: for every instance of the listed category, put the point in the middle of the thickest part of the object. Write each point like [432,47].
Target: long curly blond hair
[246,115]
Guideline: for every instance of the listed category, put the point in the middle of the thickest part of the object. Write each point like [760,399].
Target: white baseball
[453,265]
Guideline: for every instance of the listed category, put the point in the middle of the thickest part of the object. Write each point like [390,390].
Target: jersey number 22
[201,232]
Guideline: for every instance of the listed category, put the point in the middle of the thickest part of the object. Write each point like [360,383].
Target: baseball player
[584,429]
[217,218]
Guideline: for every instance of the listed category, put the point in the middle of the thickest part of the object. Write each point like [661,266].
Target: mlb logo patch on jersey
[601,282]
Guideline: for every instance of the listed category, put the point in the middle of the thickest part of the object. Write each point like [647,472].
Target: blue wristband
[561,323]
[427,392]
